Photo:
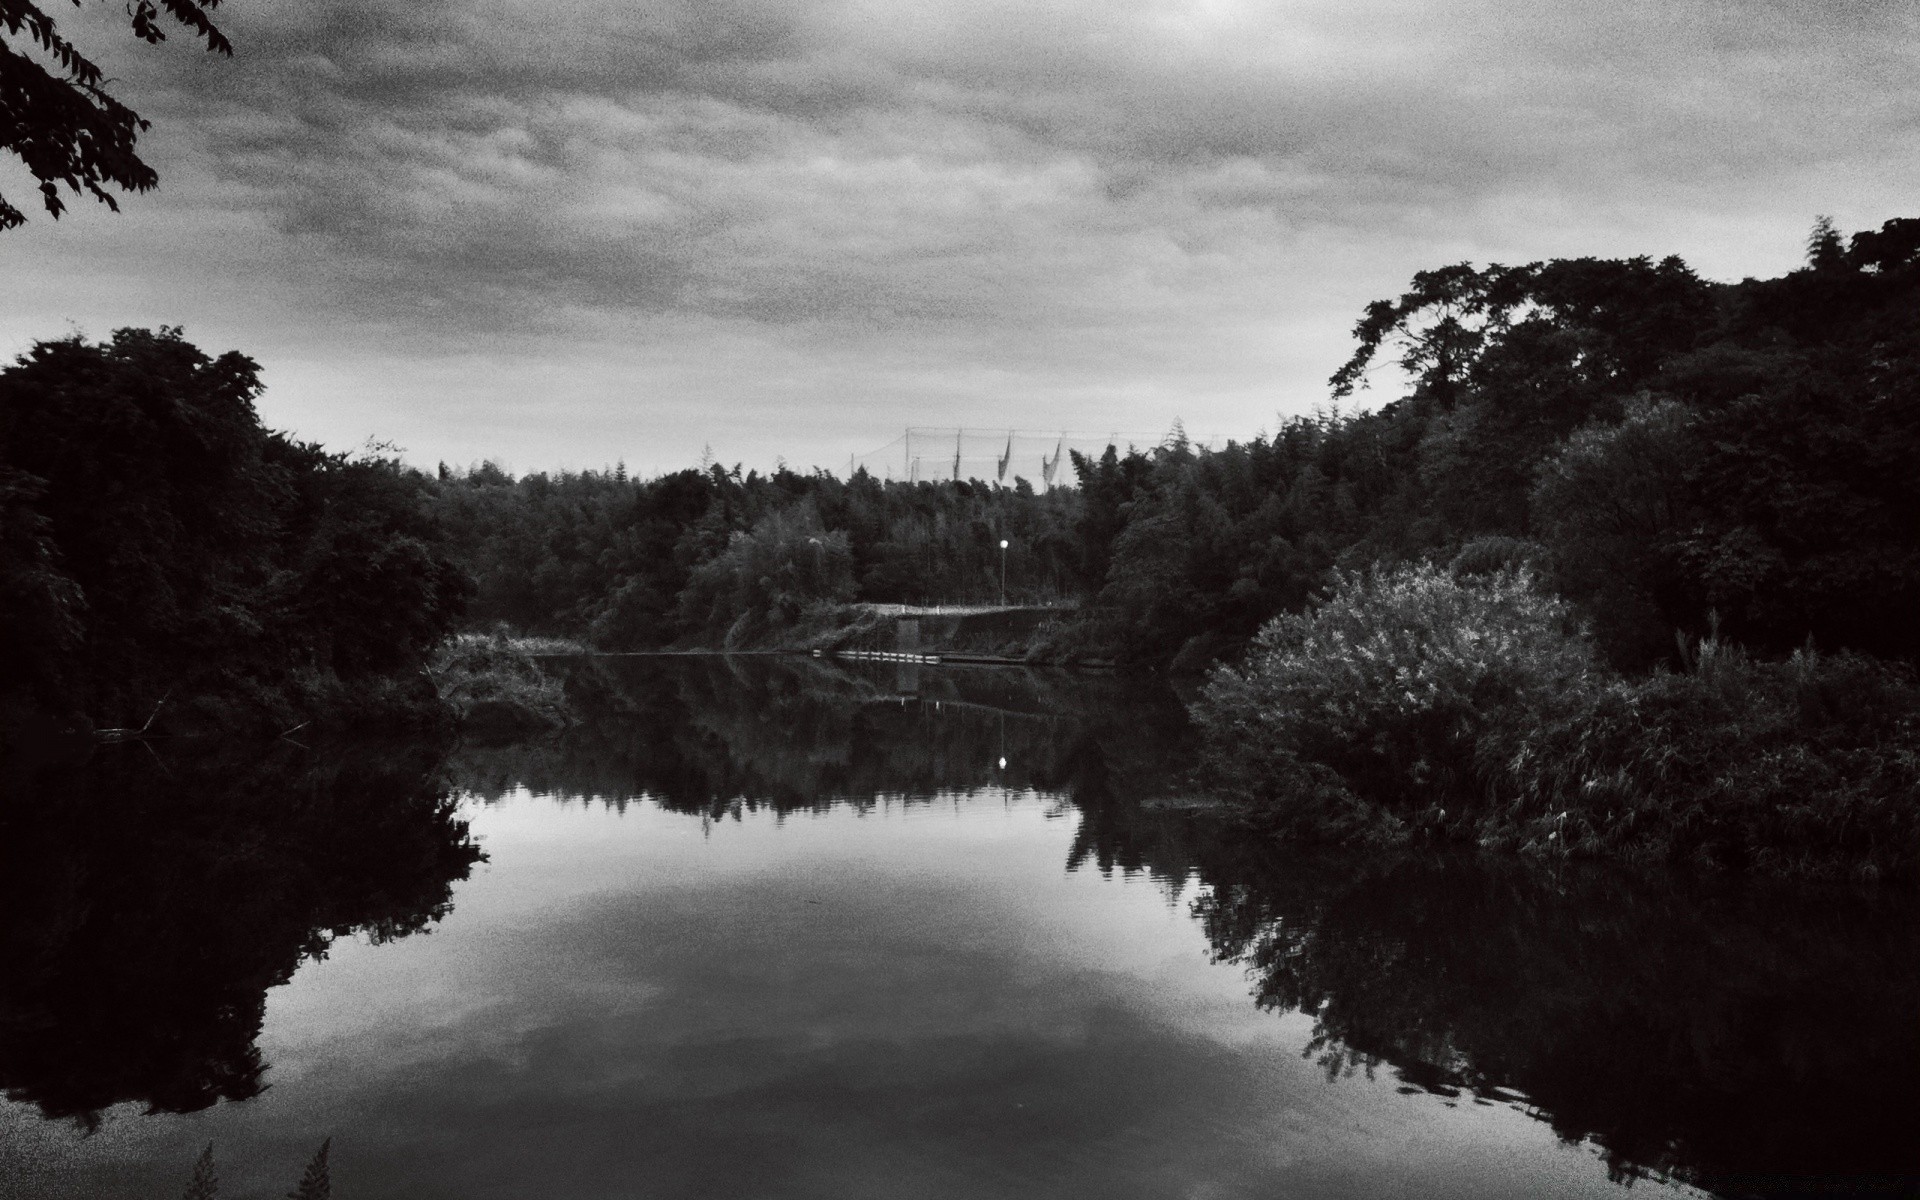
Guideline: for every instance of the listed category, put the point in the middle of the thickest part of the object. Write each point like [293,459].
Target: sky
[570,233]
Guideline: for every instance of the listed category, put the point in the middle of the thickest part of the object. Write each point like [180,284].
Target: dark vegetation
[1736,1037]
[496,688]
[56,115]
[1671,454]
[1606,470]
[718,737]
[716,557]
[1742,1035]
[161,549]
[1631,568]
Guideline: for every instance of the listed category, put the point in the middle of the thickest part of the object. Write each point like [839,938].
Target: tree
[1613,505]
[317,1183]
[205,1185]
[61,122]
[156,539]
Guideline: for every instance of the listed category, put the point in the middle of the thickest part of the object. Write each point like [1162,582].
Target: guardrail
[880,656]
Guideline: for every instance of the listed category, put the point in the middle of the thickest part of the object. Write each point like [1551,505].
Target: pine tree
[204,1185]
[1824,247]
[315,1184]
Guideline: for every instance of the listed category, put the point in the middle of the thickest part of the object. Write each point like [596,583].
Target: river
[774,927]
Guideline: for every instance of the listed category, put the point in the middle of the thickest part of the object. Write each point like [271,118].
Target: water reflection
[1741,1037]
[816,992]
[152,896]
[714,736]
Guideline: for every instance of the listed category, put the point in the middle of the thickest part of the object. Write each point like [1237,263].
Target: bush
[1805,767]
[496,687]
[1408,694]
[1392,679]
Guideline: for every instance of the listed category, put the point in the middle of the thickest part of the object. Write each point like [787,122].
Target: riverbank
[1036,635]
[488,686]
[494,686]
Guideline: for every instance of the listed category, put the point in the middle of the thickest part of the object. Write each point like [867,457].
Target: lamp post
[1003,572]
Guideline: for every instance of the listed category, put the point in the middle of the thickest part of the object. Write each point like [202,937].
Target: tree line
[1674,457]
[636,564]
[1674,454]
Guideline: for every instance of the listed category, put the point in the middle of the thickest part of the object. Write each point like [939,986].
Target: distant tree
[1824,247]
[316,1183]
[769,574]
[204,1185]
[61,122]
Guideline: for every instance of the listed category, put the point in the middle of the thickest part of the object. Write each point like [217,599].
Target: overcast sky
[570,232]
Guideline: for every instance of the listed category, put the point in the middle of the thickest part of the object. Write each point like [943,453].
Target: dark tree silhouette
[56,114]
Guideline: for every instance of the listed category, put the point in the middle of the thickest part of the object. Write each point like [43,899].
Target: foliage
[1681,451]
[496,686]
[205,1184]
[612,560]
[1408,694]
[61,122]
[1393,679]
[1613,505]
[1665,451]
[768,575]
[315,1183]
[1806,767]
[1742,1037]
[715,735]
[155,539]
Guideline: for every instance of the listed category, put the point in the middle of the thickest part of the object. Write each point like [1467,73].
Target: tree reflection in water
[714,735]
[149,898]
[1728,1034]
[1739,1036]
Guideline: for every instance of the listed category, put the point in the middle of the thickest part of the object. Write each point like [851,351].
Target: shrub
[496,687]
[1391,680]
[1805,767]
[1408,694]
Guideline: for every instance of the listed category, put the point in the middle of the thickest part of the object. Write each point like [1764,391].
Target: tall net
[1043,459]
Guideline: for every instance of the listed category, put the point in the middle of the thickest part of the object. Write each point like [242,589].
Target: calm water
[770,928]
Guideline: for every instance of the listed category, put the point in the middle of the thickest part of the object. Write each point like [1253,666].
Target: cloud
[1125,190]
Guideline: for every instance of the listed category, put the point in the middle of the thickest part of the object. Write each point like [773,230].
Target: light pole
[1003,572]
